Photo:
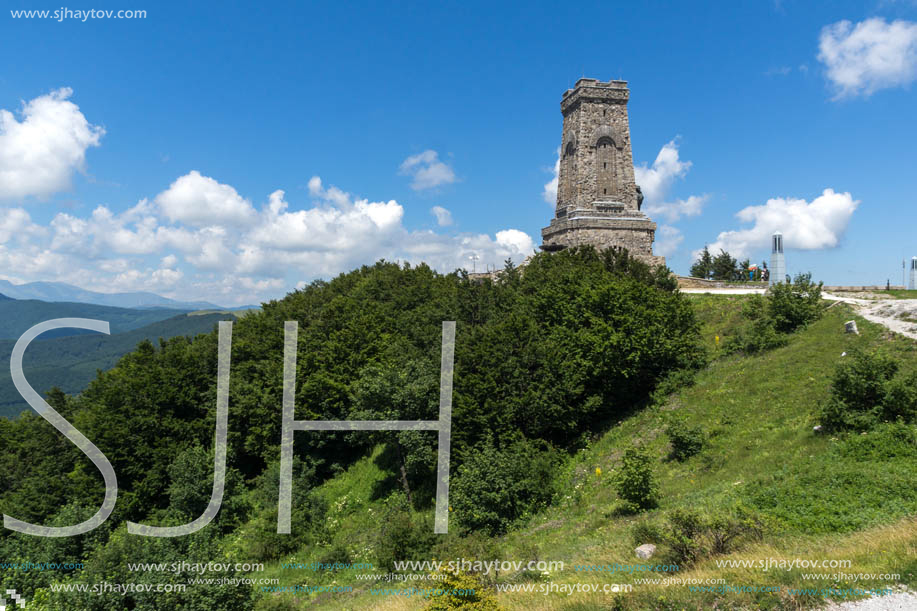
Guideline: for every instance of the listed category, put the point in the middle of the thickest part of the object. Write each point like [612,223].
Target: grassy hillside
[18,315]
[851,497]
[71,362]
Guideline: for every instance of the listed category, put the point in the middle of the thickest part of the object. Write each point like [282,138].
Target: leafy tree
[191,485]
[704,264]
[258,538]
[724,266]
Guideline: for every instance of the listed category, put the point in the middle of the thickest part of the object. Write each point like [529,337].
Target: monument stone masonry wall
[597,198]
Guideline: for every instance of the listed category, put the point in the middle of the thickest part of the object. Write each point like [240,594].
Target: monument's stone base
[614,226]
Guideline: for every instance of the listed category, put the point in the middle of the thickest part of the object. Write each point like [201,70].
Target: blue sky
[150,153]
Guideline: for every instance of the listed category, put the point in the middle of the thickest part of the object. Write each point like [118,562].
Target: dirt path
[900,601]
[899,315]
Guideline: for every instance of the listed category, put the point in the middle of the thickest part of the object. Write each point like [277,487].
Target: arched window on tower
[606,168]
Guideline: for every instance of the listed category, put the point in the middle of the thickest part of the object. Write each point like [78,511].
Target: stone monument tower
[598,201]
[912,281]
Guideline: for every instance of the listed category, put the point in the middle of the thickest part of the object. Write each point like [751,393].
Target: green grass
[830,497]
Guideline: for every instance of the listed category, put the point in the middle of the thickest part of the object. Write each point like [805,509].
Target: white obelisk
[778,261]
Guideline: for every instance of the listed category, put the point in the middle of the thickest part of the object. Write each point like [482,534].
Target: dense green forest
[71,362]
[544,359]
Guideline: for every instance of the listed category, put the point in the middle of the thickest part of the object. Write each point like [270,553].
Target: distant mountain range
[19,315]
[60,291]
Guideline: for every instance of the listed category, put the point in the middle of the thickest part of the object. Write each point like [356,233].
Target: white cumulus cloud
[182,253]
[515,241]
[443,216]
[814,225]
[39,154]
[427,171]
[332,195]
[200,200]
[347,226]
[871,55]
[15,223]
[656,181]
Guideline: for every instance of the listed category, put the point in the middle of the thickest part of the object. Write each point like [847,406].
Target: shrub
[760,337]
[861,393]
[786,308]
[900,401]
[794,305]
[636,481]
[682,535]
[673,382]
[688,535]
[646,532]
[495,487]
[686,440]
[467,592]
[859,482]
[403,536]
[893,441]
